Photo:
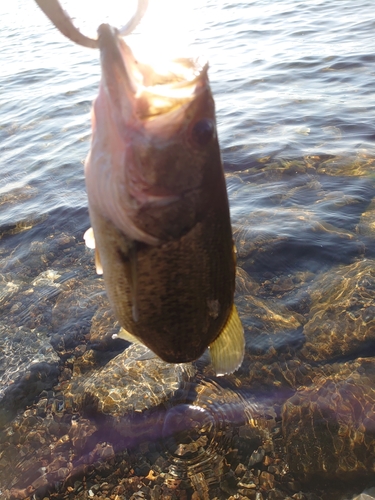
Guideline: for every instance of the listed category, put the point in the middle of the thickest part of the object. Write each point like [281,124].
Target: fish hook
[64,24]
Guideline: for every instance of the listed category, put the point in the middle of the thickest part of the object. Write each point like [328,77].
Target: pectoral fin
[125,335]
[228,350]
[129,254]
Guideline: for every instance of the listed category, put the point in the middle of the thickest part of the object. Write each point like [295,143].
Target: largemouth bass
[159,208]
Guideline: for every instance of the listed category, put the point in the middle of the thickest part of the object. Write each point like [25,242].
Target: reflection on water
[86,416]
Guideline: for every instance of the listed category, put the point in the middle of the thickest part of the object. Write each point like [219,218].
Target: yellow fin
[228,350]
[125,335]
[89,238]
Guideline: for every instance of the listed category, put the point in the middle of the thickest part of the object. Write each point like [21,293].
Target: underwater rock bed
[86,416]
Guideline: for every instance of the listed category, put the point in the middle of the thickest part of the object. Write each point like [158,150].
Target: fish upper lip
[112,59]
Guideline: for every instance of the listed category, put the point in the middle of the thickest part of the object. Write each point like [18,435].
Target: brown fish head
[154,143]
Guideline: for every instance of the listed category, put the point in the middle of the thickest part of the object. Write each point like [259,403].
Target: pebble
[240,469]
[266,480]
[247,485]
[294,485]
[256,457]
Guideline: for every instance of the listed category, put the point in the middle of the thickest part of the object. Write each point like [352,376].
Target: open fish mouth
[151,92]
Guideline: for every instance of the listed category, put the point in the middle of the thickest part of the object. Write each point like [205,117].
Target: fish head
[154,143]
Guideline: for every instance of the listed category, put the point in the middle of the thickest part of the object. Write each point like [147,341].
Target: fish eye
[203,131]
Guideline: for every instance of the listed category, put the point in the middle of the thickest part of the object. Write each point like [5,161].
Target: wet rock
[266,480]
[28,366]
[329,427]
[366,224]
[268,324]
[335,165]
[135,380]
[256,457]
[240,469]
[342,316]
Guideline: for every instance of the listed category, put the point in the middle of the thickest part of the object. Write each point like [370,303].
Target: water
[290,80]
[293,84]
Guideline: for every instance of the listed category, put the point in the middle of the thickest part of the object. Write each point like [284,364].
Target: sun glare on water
[165,32]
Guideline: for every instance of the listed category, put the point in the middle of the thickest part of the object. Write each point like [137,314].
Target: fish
[159,208]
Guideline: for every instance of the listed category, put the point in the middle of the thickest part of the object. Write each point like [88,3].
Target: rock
[29,365]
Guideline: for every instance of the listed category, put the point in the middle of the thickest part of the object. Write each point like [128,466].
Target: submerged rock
[342,314]
[91,417]
[329,426]
[134,381]
[28,365]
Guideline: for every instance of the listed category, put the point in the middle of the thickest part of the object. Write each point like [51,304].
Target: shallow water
[293,85]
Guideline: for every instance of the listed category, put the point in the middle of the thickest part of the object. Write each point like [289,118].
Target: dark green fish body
[182,289]
[159,209]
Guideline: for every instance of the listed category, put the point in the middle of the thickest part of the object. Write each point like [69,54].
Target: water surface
[294,89]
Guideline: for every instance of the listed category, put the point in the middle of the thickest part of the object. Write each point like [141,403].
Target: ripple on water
[201,430]
[190,442]
[291,80]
